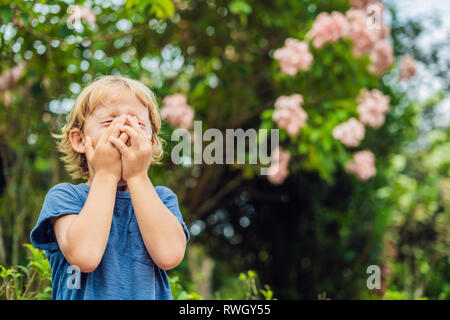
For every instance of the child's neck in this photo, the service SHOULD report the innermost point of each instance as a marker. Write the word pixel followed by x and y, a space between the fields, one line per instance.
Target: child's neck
pixel 122 188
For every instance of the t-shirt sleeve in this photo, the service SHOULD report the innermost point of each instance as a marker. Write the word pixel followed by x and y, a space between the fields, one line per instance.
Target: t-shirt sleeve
pixel 170 199
pixel 60 200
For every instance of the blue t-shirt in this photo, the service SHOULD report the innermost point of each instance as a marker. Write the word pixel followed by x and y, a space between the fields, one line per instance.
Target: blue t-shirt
pixel 126 270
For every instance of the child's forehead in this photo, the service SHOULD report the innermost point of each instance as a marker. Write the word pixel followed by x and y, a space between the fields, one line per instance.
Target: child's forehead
pixel 122 104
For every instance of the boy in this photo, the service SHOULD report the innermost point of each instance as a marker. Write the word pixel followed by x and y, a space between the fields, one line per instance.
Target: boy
pixel 114 236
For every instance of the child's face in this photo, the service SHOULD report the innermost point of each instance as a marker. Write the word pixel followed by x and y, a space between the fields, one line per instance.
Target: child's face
pixel 101 118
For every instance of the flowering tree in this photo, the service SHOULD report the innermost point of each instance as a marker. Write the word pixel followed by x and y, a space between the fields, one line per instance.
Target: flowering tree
pixel 367 38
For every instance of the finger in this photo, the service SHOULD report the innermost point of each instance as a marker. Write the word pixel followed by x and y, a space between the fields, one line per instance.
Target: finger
pixel 124 137
pixel 131 133
pixel 116 129
pixel 134 123
pixel 107 133
pixel 88 147
pixel 118 144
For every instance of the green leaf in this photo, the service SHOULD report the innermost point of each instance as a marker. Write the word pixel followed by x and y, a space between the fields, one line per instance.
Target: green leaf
pixel 6 14
pixel 3 271
pixel 131 3
pixel 162 8
pixel 251 274
pixel 266 125
pixel 267 114
pixel 268 294
pixel 64 31
pixel 24 270
pixel 183 296
pixel 195 296
pixel 240 7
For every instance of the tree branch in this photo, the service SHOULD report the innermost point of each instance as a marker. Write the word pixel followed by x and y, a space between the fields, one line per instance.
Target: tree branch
pixel 105 37
pixel 212 202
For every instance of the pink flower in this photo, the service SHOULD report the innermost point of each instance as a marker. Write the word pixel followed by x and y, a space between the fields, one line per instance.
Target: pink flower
pixel 9 78
pixel 383 32
pixel 363 34
pixel 176 111
pixel 278 170
pixel 407 67
pixel 362 165
pixel 350 132
pixel 341 23
pixel 370 8
pixel 78 12
pixel 363 38
pixel 289 114
pixel 328 28
pixel 372 108
pixel 382 57
pixel 294 56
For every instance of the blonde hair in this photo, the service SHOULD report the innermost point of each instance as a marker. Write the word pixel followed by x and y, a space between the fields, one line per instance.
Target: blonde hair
pixel 87 100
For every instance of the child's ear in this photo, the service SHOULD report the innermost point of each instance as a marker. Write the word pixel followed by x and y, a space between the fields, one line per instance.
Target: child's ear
pixel 78 140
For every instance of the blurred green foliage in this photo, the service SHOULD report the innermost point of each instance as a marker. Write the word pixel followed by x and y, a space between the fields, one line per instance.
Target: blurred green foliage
pixel 33 282
pixel 30 282
pixel 418 200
